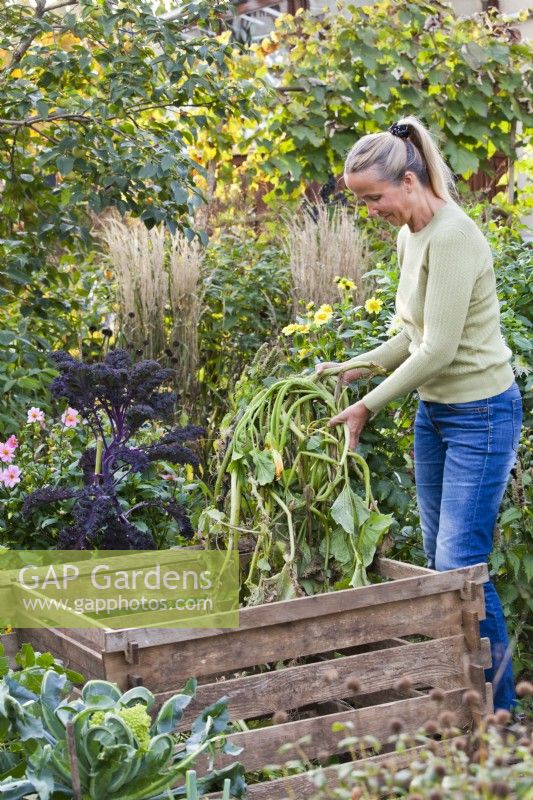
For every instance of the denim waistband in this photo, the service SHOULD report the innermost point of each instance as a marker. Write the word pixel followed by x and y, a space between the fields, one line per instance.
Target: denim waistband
pixel 512 393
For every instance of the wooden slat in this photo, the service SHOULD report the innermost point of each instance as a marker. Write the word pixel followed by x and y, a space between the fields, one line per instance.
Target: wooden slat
pixel 300 608
pixel 302 786
pixel 261 746
pixel 435 663
pixel 390 568
pixel 73 653
pixel 166 667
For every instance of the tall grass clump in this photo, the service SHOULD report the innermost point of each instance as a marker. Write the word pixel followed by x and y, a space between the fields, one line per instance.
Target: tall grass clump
pixel 159 296
pixel 186 302
pixel 137 256
pixel 322 244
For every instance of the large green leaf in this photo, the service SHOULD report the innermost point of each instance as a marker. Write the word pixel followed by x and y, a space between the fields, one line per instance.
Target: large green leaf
pixel 370 535
pixel 265 468
pixel 349 510
pixel 172 710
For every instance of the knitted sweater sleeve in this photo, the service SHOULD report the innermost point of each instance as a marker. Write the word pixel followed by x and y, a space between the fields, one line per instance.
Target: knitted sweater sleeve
pixel 451 276
pixel 388 355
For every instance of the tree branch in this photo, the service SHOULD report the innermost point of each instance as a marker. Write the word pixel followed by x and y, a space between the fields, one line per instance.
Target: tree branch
pixel 61 4
pixel 30 121
pixel 24 45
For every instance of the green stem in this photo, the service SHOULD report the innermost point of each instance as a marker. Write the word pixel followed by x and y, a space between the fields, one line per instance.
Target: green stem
pixel 282 505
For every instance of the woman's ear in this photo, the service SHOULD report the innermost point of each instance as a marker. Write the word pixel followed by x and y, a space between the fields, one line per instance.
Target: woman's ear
pixel 409 181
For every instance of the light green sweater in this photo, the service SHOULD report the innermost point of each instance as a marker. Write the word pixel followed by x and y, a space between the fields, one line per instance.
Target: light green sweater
pixel 450 348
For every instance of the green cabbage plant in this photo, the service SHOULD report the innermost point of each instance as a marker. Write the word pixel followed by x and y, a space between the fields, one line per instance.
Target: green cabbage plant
pixel 122 751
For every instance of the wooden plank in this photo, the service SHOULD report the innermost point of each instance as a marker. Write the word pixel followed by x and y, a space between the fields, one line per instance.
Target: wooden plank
pixel 262 745
pixel 303 787
pixel 435 663
pixel 471 628
pixel 390 568
pixel 300 608
pixel 74 654
pixel 166 667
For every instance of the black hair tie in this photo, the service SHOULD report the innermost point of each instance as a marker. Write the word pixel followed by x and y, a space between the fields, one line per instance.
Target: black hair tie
pixel 402 131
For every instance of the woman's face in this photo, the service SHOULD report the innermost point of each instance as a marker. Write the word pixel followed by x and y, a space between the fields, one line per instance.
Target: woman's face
pixel 389 201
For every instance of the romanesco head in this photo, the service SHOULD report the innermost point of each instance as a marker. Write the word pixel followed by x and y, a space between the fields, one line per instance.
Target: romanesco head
pixel 97 718
pixel 138 721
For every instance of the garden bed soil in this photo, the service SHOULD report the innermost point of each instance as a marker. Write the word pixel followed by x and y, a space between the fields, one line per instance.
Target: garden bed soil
pixel 296 656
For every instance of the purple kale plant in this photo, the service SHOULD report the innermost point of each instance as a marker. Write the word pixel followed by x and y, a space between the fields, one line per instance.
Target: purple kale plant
pixel 115 397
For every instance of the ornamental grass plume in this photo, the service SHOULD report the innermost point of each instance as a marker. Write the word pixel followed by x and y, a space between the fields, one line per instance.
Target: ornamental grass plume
pixel 186 303
pixel 137 256
pixel 321 247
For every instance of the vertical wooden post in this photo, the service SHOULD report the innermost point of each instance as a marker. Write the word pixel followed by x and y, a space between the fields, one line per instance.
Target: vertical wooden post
pixel 73 760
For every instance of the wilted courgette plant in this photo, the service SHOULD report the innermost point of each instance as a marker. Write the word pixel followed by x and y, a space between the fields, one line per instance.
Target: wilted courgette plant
pixel 291 487
pixel 121 752
pixel 115 398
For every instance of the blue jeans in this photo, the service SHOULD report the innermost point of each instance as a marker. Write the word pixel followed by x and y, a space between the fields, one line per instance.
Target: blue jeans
pixel 464 453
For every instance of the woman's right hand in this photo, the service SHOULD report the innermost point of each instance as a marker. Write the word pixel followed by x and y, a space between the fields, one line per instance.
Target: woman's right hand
pixel 344 377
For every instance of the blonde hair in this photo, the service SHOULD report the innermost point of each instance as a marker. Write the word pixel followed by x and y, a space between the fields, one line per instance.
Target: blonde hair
pixel 392 155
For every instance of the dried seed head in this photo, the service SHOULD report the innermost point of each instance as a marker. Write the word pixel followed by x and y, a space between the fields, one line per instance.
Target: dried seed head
pixel 431 727
pixel 461 743
pixel 322 755
pixel 524 689
pixel 331 675
pixel 396 725
pixel 499 761
pixel 446 719
pixel 502 716
pixel 131 314
pixel 499 789
pixel 353 684
pixel 490 720
pixel 435 794
pixel 437 695
pixel 403 684
pixel 439 770
pixel 472 698
pixel 476 757
pixel 279 717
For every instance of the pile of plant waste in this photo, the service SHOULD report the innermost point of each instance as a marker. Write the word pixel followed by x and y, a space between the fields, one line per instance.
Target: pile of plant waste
pixel 290 489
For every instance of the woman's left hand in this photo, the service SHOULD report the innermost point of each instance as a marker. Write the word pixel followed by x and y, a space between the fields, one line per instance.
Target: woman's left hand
pixel 355 417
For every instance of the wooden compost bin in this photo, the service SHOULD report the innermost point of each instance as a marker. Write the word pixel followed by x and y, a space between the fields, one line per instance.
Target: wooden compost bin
pixel 419 623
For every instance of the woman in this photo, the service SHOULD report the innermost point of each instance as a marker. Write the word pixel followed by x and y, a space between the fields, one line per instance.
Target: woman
pixel 451 351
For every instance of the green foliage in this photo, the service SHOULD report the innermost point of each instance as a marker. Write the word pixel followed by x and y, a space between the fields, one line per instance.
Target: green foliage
pixel 100 103
pixel 99 108
pixel 347 74
pixel 247 302
pixel 122 751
